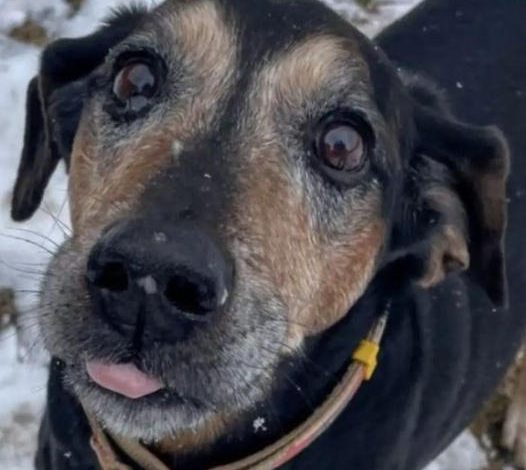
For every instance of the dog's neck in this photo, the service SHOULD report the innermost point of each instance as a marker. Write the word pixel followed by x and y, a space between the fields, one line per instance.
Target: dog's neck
pixel 301 385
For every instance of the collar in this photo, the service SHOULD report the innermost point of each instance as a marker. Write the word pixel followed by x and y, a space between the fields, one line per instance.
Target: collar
pixel 361 369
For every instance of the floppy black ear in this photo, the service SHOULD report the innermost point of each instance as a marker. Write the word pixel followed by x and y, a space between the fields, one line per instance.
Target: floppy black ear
pixel 54 103
pixel 457 210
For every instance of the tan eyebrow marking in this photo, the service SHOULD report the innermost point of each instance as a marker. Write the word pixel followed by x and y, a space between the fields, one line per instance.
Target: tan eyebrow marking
pixel 299 72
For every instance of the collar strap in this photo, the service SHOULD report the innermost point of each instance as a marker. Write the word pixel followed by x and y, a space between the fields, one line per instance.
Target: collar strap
pixel 285 449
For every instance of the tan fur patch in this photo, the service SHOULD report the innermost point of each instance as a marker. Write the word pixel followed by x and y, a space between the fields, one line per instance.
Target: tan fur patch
pixel 449 246
pixel 448 253
pixel 317 279
pixel 99 197
pixel 346 269
pixel 295 76
pixel 208 47
pixel 194 439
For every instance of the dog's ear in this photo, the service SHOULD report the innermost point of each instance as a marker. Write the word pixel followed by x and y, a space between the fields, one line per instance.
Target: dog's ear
pixel 54 104
pixel 455 207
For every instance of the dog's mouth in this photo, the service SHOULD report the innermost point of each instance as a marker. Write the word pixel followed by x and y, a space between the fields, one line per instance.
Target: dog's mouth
pixel 124 379
pixel 128 385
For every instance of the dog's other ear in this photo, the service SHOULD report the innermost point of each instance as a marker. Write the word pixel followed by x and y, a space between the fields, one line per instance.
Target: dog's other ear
pixel 54 103
pixel 455 210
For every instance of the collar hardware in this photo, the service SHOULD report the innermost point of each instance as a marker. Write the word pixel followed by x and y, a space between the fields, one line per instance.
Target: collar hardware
pixel 367 351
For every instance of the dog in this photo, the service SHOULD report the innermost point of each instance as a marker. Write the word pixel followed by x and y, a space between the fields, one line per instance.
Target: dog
pixel 255 188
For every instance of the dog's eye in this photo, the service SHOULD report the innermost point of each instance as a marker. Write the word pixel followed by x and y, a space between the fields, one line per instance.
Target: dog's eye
pixel 135 84
pixel 341 147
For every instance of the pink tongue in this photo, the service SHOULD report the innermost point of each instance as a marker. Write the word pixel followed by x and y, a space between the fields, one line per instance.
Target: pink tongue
pixel 125 379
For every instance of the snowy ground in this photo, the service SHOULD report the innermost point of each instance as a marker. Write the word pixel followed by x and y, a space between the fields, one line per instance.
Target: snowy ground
pixel 24 248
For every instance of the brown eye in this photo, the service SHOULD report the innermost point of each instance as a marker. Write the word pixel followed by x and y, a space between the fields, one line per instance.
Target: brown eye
pixel 341 147
pixel 135 84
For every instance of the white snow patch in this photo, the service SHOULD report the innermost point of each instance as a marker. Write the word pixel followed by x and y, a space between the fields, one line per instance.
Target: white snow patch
pixel 160 237
pixel 177 148
pixel 22 394
pixel 464 454
pixel 93 12
pixel 48 13
pixel 149 284
pixel 259 424
pixel 224 297
pixel 371 21
pixel 24 248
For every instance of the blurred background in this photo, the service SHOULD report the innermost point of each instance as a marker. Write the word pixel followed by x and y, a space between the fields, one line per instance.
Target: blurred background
pixel 25 27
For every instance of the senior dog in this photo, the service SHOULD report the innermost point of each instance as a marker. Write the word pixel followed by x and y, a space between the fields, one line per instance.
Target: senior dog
pixel 254 189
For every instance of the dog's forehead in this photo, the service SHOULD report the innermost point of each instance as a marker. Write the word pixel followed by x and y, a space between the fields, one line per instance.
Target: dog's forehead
pixel 255 31
pixel 273 21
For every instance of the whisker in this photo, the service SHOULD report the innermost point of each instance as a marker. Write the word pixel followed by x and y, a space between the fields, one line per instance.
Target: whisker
pixel 55 223
pixel 33 232
pixel 30 242
pixel 60 224
pixel 26 291
pixel 21 270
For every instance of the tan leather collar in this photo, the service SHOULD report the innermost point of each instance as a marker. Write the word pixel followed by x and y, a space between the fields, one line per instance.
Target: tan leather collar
pixel 361 368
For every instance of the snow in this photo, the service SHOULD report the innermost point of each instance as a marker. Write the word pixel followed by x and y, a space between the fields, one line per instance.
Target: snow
pixel 22 393
pixel 160 237
pixel 49 13
pixel 370 21
pixel 464 454
pixel 149 284
pixel 25 248
pixel 259 424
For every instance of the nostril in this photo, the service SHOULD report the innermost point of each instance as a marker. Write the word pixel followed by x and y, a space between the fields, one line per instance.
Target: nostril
pixel 112 276
pixel 191 293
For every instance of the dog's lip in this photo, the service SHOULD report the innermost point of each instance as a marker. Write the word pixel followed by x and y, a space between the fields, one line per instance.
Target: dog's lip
pixel 125 379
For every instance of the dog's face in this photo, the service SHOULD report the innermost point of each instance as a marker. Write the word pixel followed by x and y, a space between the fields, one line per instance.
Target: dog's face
pixel 238 173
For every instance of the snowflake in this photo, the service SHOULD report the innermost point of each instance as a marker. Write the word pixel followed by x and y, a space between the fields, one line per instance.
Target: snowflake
pixel 259 424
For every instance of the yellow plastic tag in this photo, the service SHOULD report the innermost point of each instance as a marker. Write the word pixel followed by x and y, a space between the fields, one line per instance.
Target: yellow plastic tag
pixel 367 354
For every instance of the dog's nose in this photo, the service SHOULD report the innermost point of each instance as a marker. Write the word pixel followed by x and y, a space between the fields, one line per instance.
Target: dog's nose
pixel 158 283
